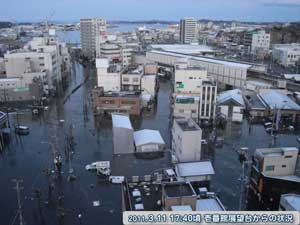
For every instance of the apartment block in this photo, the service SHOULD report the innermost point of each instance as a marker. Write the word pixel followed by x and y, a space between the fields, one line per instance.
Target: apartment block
pixel 188 30
pixel 90 33
pixel 186 140
pixel 286 54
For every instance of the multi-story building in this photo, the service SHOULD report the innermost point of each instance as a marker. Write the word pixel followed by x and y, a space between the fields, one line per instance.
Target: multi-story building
pixel 225 72
pixel 188 30
pixel 108 75
pixel 186 144
pixel 90 33
pixel 286 54
pixel 194 95
pixel 111 52
pixel 273 173
pixel 131 78
pixel 121 102
pixel 23 63
pixel 257 41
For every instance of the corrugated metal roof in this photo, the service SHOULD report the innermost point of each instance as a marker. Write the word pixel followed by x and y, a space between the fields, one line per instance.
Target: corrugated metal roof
pixel 146 136
pixel 121 121
pixel 276 100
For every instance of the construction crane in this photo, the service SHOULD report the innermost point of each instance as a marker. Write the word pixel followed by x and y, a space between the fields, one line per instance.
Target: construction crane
pixel 48 19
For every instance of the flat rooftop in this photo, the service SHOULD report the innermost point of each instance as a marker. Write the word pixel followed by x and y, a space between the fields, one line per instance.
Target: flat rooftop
pixel 133 69
pixel 187 125
pixel 293 200
pixel 209 204
pixel 185 48
pixel 176 190
pixel 202 168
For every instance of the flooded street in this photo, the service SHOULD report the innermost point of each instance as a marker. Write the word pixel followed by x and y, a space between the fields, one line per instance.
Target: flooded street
pixel 30 158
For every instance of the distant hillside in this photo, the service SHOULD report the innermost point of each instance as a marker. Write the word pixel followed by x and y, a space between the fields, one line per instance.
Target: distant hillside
pixel 5 24
pixel 286 34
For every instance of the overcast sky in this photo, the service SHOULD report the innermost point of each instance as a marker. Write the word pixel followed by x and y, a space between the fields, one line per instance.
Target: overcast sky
pixel 73 10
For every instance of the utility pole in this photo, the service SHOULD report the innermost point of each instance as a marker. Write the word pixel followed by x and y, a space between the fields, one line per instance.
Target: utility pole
pixel 18 189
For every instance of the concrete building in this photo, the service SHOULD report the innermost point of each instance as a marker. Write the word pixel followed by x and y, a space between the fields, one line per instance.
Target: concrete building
pixel 90 31
pixel 149 82
pixel 228 73
pixel 257 41
pixel 186 140
pixel 231 105
pixel 148 141
pixel 178 194
pixel 111 52
pixel 188 30
pixel 108 76
pixel 195 95
pixel 131 78
pixel 201 171
pixel 122 102
pixel 122 134
pixel 286 54
pixel 289 202
pixel 273 174
pixel 23 63
pixel 51 44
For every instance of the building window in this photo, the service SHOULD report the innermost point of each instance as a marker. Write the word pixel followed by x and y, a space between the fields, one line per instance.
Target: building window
pixel 283 166
pixel 288 156
pixel 135 80
pixel 193 111
pixel 269 168
pixel 181 110
pixel 42 64
pixel 125 79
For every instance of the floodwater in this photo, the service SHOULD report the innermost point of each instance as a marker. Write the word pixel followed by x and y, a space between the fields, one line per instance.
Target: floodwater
pixel 30 157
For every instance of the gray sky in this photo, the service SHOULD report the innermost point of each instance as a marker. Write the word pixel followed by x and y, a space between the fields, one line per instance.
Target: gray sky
pixel 73 10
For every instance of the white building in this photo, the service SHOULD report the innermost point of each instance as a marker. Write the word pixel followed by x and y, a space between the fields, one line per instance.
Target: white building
pixel 257 41
pixel 108 76
pixel 194 95
pixel 186 140
pixel 224 72
pixel 111 52
pixel 91 30
pixel 131 78
pixel 289 202
pixel 148 141
pixel 122 134
pixel 194 171
pixel 188 30
pixel 286 54
pixel 22 63
pixel 276 162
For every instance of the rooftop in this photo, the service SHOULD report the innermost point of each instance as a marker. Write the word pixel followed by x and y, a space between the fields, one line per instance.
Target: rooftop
pixel 133 69
pixel 173 190
pixel 293 200
pixel 187 124
pixel 121 120
pixel 184 48
pixel 209 204
pixel 275 100
pixel 146 136
pixel 202 168
pixel 274 152
pixel 235 95
pixel 205 59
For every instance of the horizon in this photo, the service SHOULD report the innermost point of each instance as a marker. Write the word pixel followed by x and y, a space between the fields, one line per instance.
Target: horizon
pixel 259 11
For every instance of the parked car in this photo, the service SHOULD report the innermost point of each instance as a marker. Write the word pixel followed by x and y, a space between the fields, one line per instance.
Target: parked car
pixel 22 130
